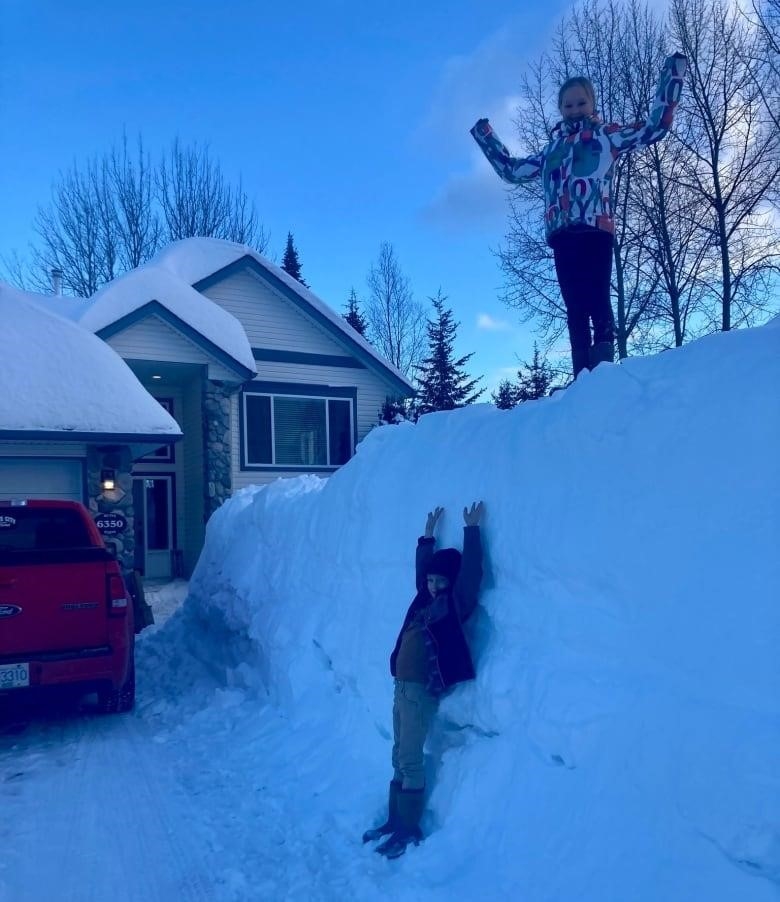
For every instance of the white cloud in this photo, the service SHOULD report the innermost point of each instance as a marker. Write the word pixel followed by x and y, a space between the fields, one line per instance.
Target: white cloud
pixel 490 324
pixel 481 83
pixel 472 199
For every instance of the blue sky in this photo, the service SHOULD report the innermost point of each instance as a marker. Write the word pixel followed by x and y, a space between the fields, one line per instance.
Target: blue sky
pixel 347 121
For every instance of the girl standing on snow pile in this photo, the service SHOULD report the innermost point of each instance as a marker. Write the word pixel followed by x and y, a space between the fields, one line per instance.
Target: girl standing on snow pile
pixel 430 655
pixel 576 167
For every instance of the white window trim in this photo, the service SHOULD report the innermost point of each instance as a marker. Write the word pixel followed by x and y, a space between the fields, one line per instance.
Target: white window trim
pixel 246 463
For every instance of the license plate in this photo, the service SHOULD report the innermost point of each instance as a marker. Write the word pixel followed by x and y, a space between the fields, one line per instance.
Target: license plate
pixel 14 676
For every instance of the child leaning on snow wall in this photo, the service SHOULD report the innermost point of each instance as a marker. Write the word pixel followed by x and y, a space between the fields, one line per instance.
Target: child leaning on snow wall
pixel 576 169
pixel 431 654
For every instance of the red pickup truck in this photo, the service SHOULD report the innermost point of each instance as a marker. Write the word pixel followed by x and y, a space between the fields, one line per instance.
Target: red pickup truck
pixel 66 616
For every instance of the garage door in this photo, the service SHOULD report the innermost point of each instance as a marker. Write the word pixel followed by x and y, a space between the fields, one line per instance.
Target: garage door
pixel 28 477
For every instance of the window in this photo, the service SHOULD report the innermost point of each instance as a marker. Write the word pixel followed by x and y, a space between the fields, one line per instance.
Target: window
pixel 292 430
pixel 30 528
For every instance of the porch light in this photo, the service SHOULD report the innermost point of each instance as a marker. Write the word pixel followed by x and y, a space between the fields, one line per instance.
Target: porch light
pixel 108 480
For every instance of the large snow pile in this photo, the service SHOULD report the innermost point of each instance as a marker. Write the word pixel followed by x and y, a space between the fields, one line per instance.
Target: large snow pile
pixel 621 739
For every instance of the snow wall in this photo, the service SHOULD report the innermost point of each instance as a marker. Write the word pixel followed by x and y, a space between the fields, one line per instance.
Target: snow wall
pixel 621 739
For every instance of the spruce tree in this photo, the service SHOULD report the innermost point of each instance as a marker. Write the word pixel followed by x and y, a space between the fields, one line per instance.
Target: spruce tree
pixel 290 262
pixel 506 396
pixel 393 411
pixel 538 381
pixel 444 384
pixel 353 315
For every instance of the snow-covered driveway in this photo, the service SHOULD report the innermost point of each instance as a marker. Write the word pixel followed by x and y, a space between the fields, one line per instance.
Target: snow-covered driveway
pixel 85 796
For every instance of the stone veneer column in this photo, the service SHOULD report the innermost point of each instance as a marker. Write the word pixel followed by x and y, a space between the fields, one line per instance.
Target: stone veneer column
pixel 216 445
pixel 119 500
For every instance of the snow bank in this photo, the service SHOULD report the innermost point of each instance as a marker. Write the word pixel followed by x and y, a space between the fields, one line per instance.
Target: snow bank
pixel 620 741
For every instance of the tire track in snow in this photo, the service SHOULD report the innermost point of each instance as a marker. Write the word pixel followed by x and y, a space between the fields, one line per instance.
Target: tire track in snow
pixel 101 817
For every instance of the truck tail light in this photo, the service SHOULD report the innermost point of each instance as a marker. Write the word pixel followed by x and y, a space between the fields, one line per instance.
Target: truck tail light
pixel 117 596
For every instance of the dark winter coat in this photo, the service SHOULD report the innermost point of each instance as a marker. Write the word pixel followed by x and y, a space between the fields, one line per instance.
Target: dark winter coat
pixel 577 165
pixel 450 659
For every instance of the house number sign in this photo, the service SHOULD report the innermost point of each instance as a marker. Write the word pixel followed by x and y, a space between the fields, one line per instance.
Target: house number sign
pixel 110 524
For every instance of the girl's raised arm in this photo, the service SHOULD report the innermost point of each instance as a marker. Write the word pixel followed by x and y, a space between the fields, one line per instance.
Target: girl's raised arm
pixel 667 96
pixel 511 169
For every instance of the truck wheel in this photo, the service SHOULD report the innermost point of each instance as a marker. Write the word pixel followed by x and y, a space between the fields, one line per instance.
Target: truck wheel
pixel 117 701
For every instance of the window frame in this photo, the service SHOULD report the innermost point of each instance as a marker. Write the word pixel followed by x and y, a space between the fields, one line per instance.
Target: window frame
pixel 296 390
pixel 166 453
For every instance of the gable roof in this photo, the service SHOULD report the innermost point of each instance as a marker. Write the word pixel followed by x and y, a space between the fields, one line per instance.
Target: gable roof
pixel 202 262
pixel 62 382
pixel 154 290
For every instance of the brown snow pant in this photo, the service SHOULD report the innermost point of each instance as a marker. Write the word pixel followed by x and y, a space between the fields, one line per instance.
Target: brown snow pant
pixel 413 710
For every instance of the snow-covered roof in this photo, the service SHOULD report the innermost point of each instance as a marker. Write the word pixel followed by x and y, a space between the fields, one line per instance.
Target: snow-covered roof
pixel 152 282
pixel 57 376
pixel 195 259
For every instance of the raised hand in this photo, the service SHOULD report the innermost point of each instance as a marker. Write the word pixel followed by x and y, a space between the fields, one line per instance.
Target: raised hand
pixel 471 516
pixel 430 523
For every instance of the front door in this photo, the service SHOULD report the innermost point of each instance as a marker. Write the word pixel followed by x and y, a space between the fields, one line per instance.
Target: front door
pixel 153 503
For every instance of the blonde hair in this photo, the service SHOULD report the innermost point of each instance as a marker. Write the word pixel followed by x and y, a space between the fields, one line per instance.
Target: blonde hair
pixel 583 82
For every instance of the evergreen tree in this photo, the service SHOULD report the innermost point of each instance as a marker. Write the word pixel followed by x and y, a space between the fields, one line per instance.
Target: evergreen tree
pixel 538 381
pixel 444 384
pixel 353 315
pixel 290 262
pixel 393 411
pixel 506 395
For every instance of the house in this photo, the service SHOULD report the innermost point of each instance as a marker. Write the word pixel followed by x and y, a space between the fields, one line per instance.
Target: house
pixel 73 417
pixel 263 378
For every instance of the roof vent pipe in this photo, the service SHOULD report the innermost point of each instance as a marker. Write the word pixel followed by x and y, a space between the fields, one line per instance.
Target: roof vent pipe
pixel 56 281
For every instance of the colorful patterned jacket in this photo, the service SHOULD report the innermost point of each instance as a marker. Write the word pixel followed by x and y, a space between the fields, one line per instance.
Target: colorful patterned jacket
pixel 576 166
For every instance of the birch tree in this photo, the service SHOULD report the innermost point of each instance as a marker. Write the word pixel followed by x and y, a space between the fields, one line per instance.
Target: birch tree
pixel 396 322
pixel 735 153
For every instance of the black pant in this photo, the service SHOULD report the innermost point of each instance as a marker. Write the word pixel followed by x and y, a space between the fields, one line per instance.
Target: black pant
pixel 583 264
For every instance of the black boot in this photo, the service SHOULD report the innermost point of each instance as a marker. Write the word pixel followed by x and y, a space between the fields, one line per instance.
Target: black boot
pixel 601 352
pixel 392 815
pixel 410 809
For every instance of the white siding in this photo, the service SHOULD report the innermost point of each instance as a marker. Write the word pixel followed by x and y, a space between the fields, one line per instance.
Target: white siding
pixel 42 449
pixel 371 392
pixel 154 339
pixel 269 319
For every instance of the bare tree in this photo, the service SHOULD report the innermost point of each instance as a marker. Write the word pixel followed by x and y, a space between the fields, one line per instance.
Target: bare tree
pixel 735 151
pixel 764 16
pixel 137 217
pixel 16 271
pixel 396 321
pixel 77 231
pixel 678 248
pixel 115 212
pixel 197 200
